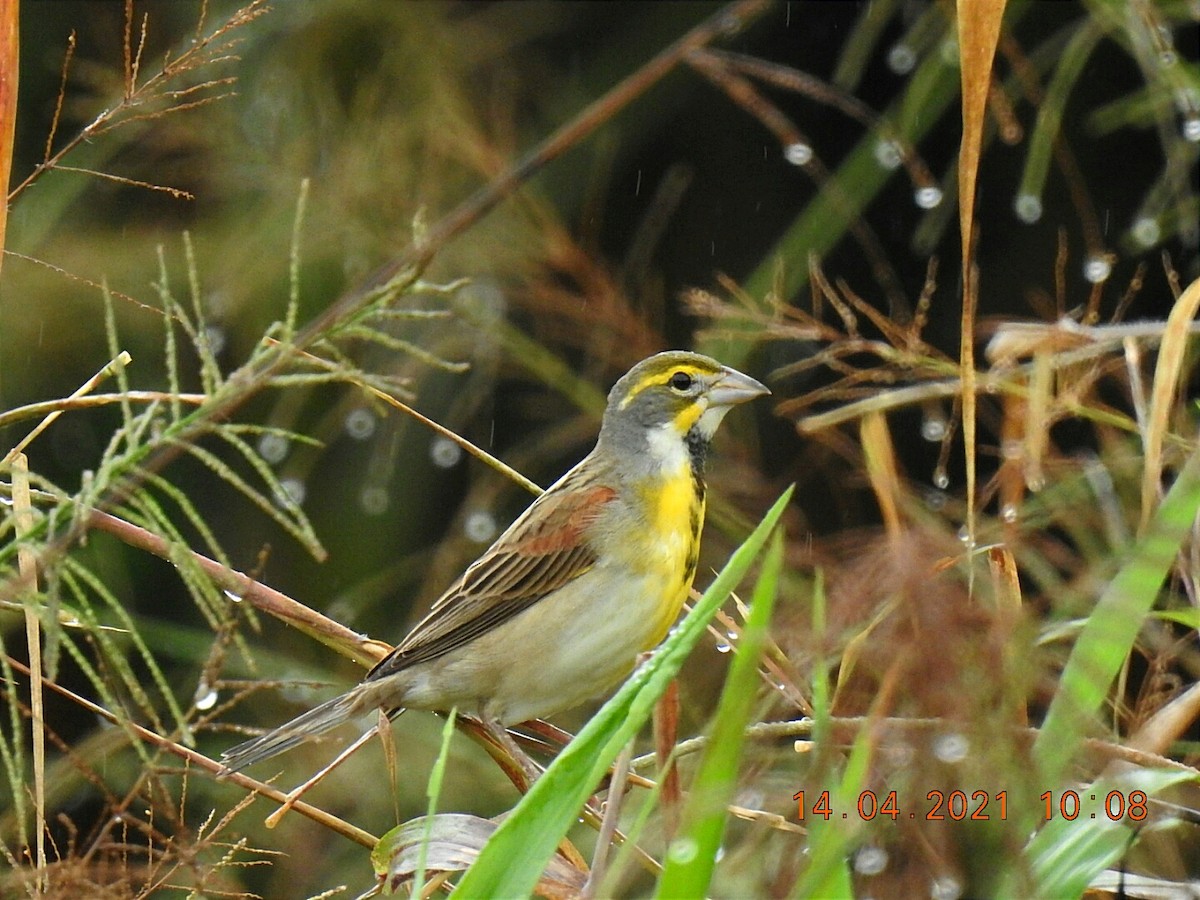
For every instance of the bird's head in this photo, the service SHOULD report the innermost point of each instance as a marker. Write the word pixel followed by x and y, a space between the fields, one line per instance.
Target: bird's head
pixel 674 400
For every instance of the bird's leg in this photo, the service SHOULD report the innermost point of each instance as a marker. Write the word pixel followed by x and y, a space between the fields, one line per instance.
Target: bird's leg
pixel 529 769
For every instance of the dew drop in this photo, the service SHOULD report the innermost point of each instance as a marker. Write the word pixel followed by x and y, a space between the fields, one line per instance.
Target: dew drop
pixel 235 598
pixel 946 887
pixel 928 197
pixel 1097 269
pixel 206 697
pixel 731 24
pixel 935 499
pixel 360 423
pixel 1146 231
pixel 1011 450
pixel 798 154
pixel 1009 513
pixel 215 339
pixel 444 452
pixel 294 491
pixel 933 428
pixel 901 59
pixel 1028 208
pixel 951 748
pixel 870 860
pixel 374 500
pixel 887 154
pixel 1168 58
pixel 941 480
pixel 480 527
pixel 273 447
pixel 1191 129
pixel 723 647
pixel 683 850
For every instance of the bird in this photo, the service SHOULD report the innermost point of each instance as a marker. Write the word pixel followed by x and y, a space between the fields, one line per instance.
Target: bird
pixel 593 574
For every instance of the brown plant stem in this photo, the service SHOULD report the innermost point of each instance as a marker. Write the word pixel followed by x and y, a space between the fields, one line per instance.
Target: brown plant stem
pixel 362 649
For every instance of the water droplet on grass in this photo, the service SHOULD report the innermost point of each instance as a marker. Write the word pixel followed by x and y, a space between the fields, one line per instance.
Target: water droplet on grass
pixel 1097 269
pixel 206 697
pixel 273 447
pixel 1028 208
pixel 798 154
pixel 683 850
pixel 444 452
pixel 928 197
pixel 887 154
pixel 360 423
pixel 480 527
pixel 870 860
pixel 951 748
pixel 901 59
pixel 1146 232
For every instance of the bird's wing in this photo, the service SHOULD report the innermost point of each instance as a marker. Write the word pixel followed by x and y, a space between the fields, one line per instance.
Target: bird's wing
pixel 541 551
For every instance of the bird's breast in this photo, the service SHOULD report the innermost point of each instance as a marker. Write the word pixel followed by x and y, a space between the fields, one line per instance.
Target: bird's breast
pixel 673 519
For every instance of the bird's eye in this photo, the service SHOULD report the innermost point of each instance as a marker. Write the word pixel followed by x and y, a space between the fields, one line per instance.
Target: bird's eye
pixel 680 381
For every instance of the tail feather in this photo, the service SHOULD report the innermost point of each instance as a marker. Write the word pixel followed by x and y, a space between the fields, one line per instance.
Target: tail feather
pixel 316 721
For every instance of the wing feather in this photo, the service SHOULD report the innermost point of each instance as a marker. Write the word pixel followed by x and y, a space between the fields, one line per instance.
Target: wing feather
pixel 541 551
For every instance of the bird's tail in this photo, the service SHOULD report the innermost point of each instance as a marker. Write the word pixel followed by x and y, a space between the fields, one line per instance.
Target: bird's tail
pixel 316 721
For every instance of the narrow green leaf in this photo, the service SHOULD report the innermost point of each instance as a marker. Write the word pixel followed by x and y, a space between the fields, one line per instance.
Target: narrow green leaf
pixel 1113 626
pixel 692 856
pixel 1066 855
pixel 433 790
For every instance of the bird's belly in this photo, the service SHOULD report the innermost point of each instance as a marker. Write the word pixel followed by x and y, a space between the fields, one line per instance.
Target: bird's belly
pixel 559 653
pixel 588 650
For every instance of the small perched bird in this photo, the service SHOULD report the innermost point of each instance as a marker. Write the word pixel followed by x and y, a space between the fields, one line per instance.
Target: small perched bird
pixel 591 575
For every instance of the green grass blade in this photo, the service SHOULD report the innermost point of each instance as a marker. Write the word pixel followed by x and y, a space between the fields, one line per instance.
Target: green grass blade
pixel 1066 855
pixel 693 854
pixel 514 858
pixel 1113 626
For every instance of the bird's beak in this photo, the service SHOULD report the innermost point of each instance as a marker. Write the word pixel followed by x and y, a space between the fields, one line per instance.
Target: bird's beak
pixel 732 388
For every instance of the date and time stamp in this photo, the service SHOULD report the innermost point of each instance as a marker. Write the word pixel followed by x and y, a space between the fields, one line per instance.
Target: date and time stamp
pixel 974 806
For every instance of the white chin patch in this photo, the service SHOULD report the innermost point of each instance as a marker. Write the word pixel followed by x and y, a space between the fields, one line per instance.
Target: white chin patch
pixel 710 419
pixel 666 447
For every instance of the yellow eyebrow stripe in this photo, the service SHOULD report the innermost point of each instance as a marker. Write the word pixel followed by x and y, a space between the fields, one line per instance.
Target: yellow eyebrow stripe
pixel 659 377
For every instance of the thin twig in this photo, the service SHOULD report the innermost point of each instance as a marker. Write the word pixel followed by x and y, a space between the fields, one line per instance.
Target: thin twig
pixel 66 404
pixel 358 647
pixel 177 193
pixel 62 94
